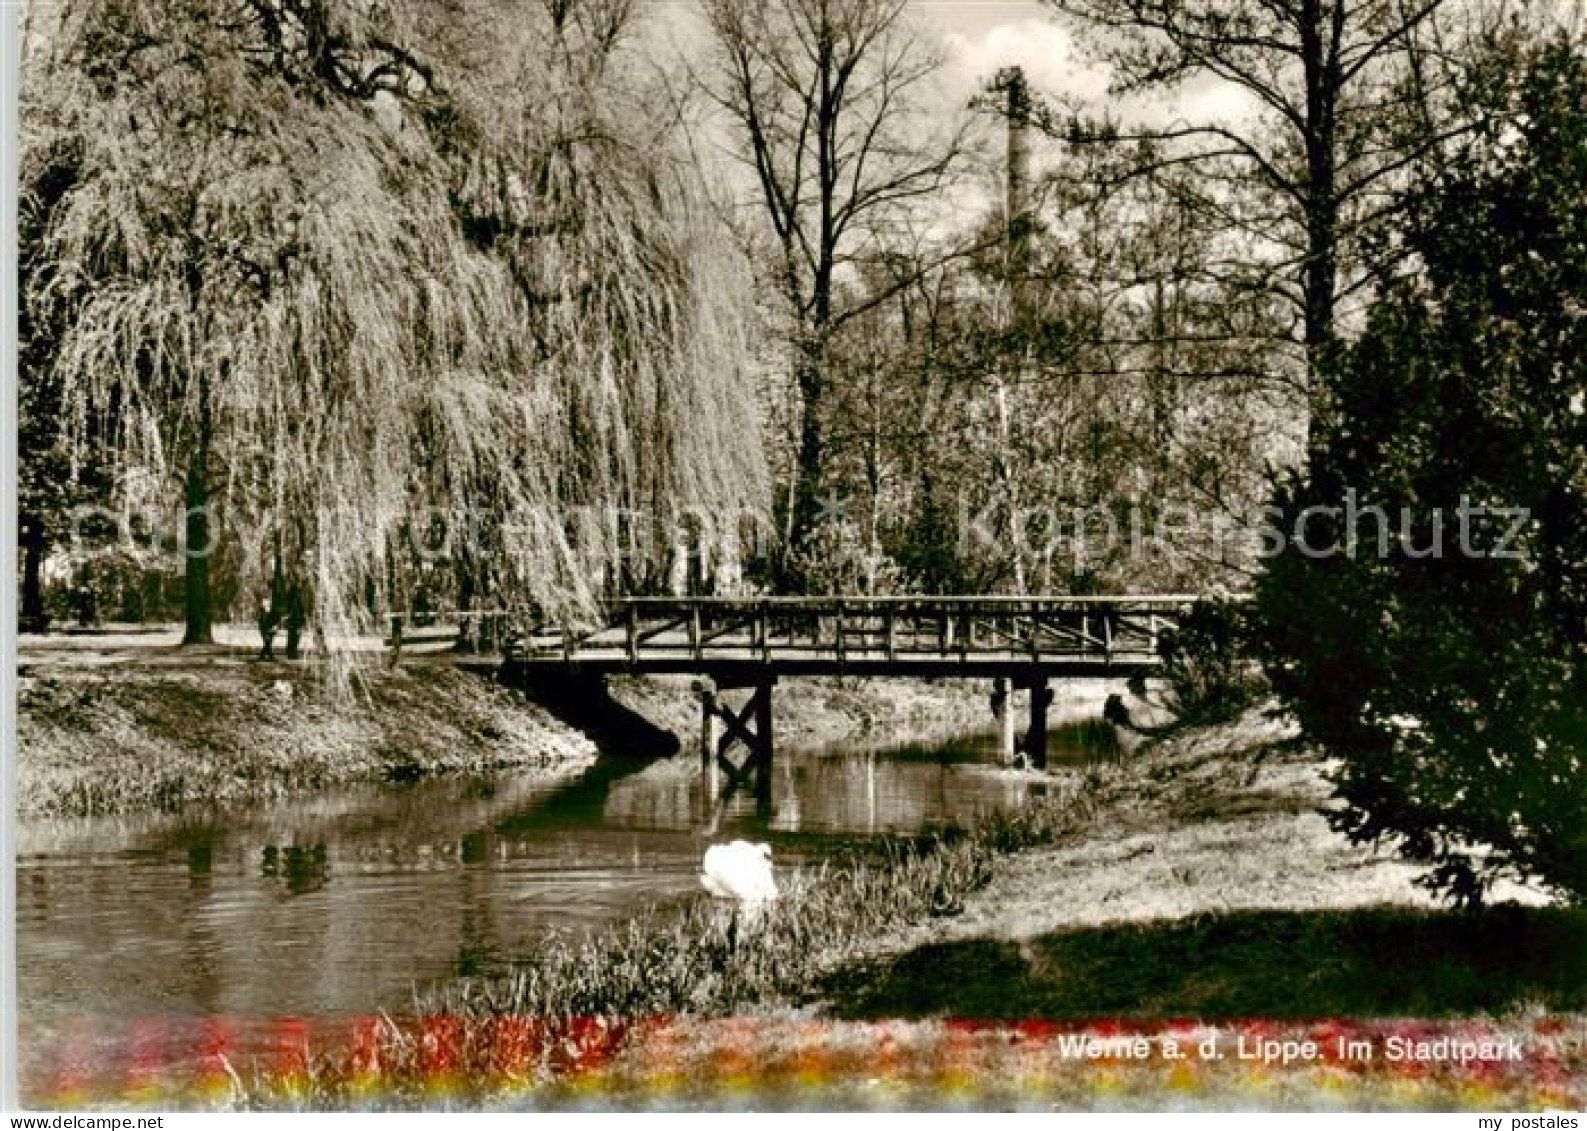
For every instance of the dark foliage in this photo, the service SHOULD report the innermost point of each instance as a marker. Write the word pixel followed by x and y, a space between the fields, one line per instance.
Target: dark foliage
pixel 1438 644
pixel 1207 665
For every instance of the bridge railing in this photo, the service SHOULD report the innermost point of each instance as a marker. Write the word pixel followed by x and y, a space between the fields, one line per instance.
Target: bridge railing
pixel 893 629
pixel 870 628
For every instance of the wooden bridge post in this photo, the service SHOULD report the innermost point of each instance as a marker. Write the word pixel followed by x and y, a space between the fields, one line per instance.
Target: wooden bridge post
pixel 710 737
pixel 763 753
pixel 1003 710
pixel 1036 737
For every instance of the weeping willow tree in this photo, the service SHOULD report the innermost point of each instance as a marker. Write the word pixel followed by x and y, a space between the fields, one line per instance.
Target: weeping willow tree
pixel 335 289
pixel 567 167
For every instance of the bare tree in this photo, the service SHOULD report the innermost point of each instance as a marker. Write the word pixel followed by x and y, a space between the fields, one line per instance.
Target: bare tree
pixel 824 100
pixel 1333 82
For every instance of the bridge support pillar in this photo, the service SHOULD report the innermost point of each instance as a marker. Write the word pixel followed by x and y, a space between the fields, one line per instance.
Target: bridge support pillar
pixel 1003 711
pixel 710 735
pixel 722 730
pixel 1036 737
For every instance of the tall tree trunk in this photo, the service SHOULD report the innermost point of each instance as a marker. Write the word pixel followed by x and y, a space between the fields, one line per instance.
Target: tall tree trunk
pixel 812 444
pixel 468 627
pixel 274 610
pixel 297 616
pixel 1321 35
pixel 197 597
pixel 34 544
pixel 1318 287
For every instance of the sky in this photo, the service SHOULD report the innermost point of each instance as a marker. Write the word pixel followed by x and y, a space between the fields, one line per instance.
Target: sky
pixel 978 37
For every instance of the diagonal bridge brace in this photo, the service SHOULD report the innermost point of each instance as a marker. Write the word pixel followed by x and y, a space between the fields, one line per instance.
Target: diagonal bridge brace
pixel 724 729
pixel 737 732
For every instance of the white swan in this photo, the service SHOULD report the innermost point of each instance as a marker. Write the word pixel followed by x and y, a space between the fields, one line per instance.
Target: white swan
pixel 739 871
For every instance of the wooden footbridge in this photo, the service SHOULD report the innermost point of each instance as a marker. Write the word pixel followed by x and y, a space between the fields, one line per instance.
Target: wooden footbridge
pixel 749 643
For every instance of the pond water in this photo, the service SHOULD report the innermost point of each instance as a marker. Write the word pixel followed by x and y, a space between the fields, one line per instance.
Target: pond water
pixel 342 902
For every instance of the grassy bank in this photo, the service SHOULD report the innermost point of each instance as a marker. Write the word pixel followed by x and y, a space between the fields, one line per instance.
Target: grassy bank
pixel 94 740
pixel 1368 962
